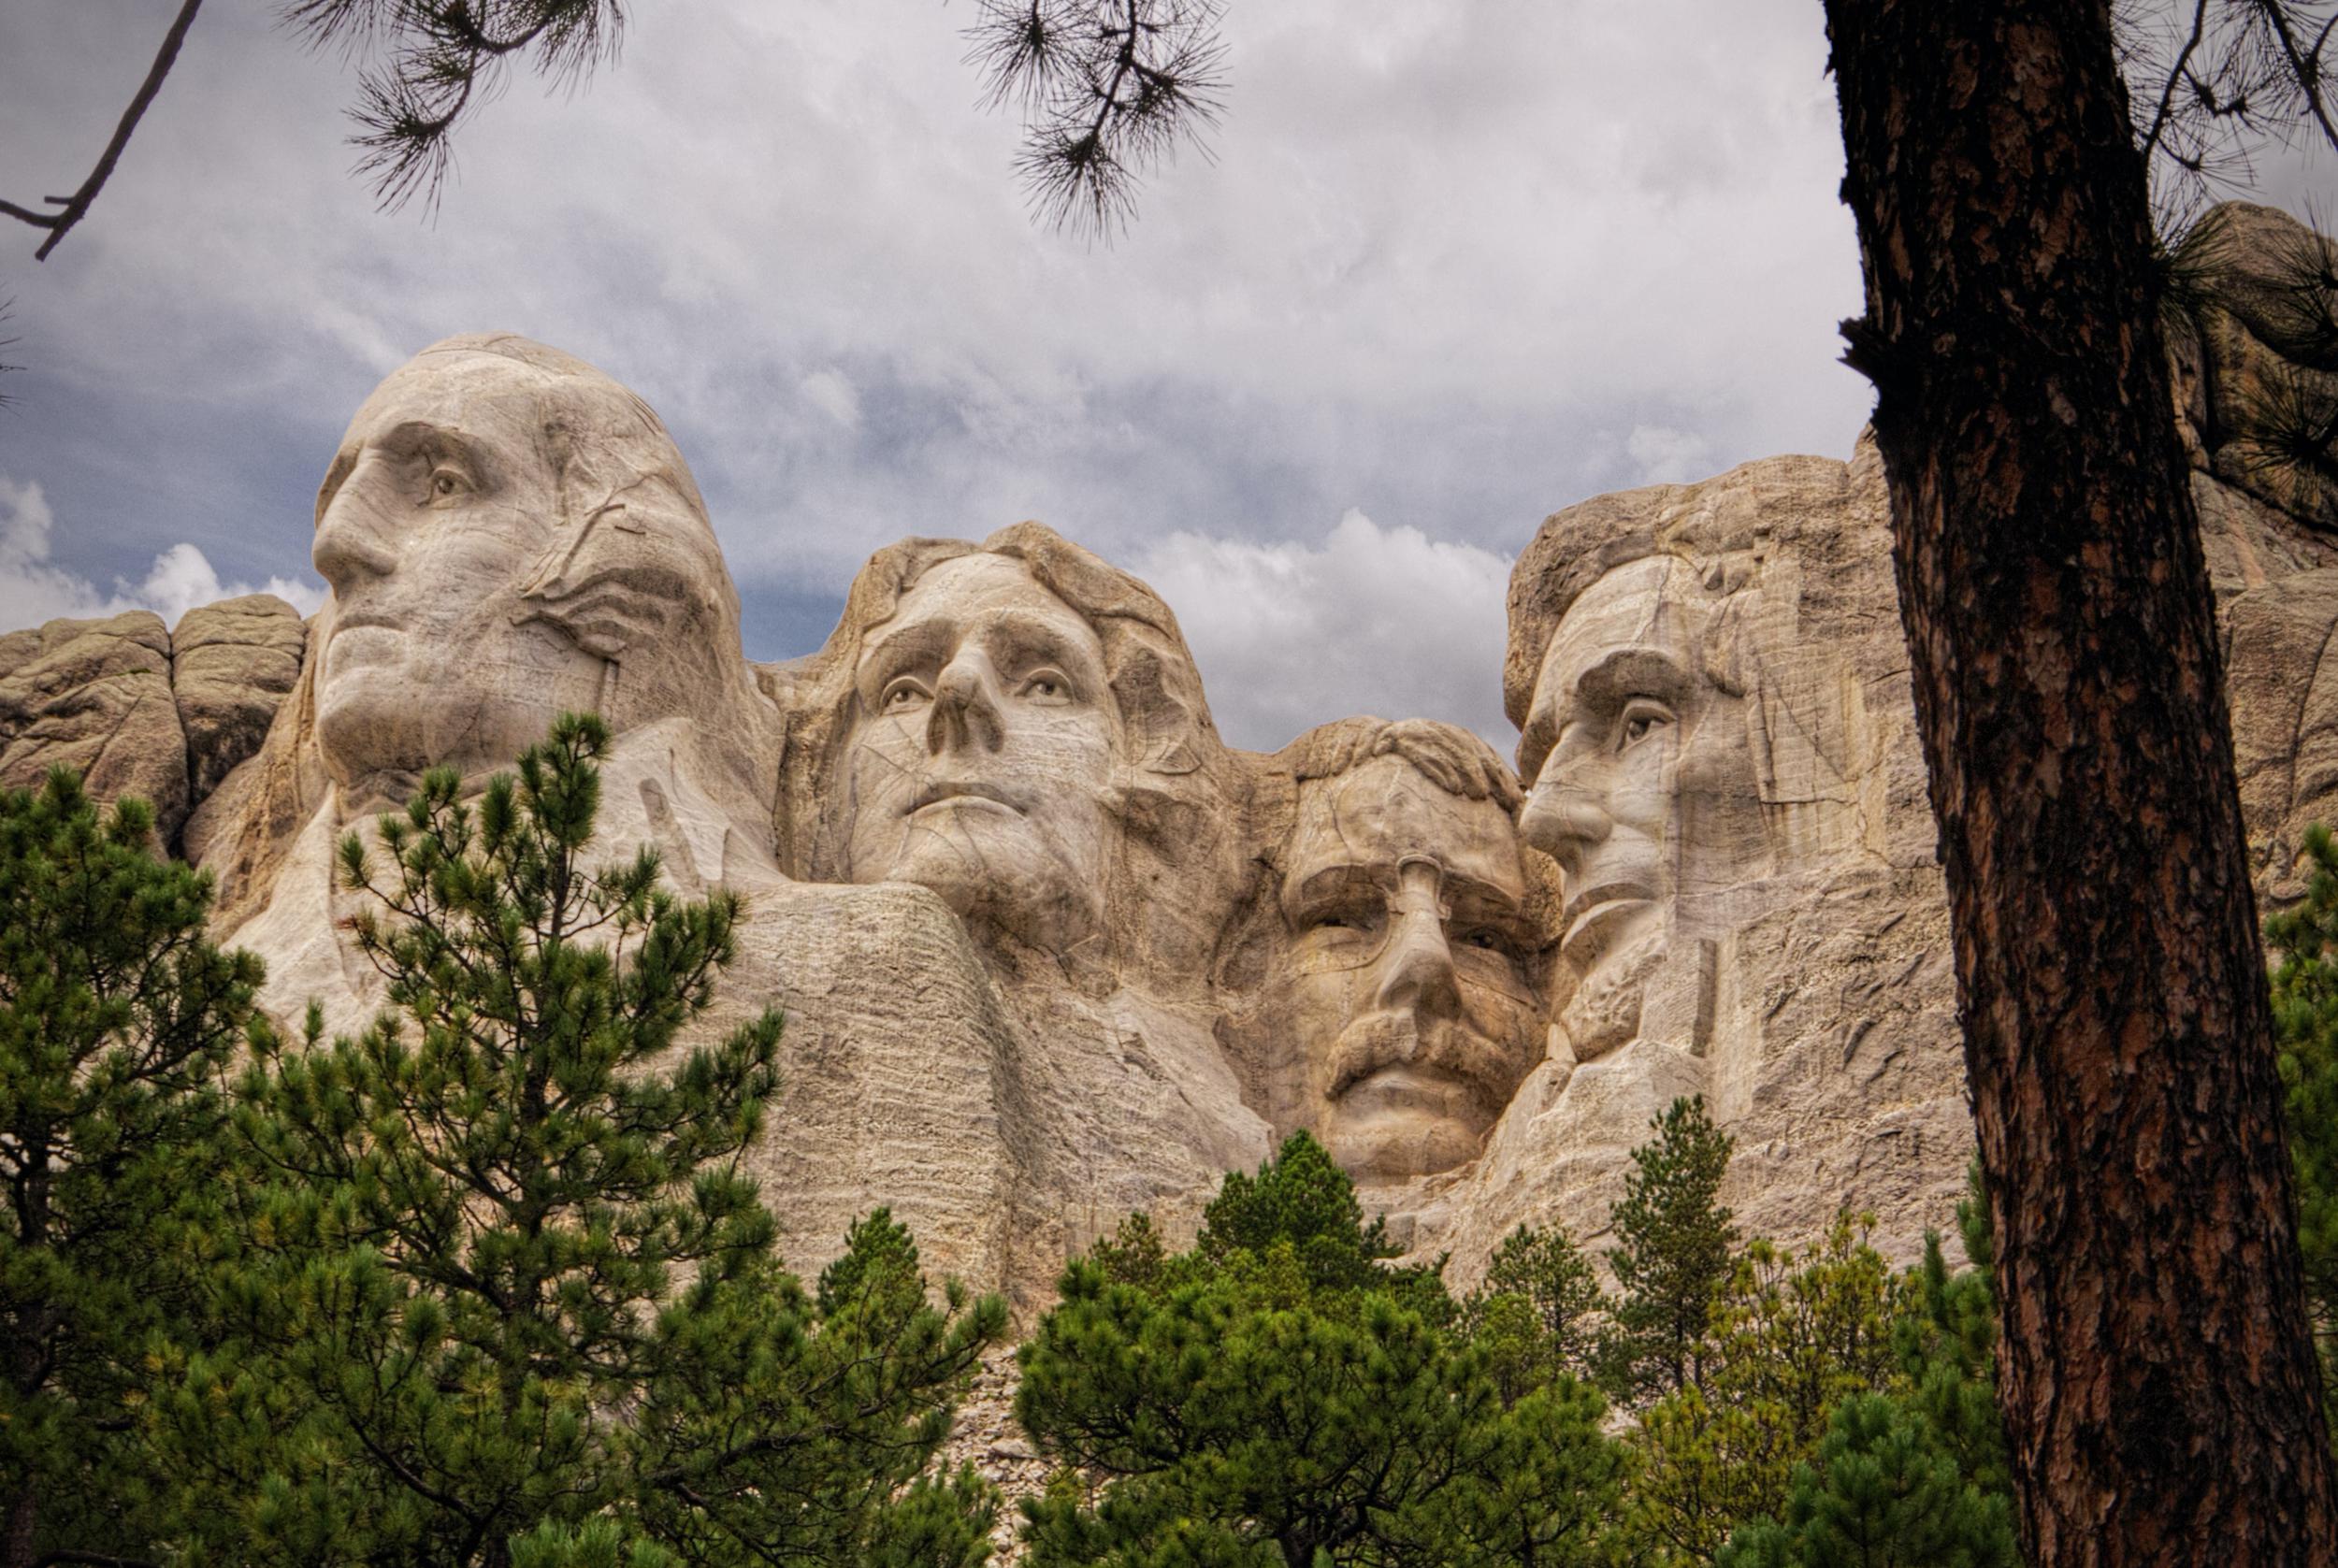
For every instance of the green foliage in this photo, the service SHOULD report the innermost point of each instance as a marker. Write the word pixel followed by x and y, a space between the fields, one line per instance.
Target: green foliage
pixel 117 1021
pixel 1790 1337
pixel 2304 943
pixel 1537 1313
pixel 1916 1477
pixel 1201 1428
pixel 1301 1198
pixel 1883 1493
pixel 1676 1244
pixel 769 1434
pixel 1293 1233
pixel 1277 1396
pixel 506 1289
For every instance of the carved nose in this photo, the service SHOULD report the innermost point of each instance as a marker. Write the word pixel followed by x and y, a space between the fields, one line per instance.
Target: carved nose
pixel 352 541
pixel 965 711
pixel 1563 820
pixel 1417 971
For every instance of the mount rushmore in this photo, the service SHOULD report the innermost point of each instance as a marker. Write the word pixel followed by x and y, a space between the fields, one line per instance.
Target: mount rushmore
pixel 1050 951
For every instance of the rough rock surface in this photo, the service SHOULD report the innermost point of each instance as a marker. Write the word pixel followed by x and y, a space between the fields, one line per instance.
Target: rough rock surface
pixel 2260 288
pixel 231 665
pixel 138 709
pixel 95 696
pixel 1052 951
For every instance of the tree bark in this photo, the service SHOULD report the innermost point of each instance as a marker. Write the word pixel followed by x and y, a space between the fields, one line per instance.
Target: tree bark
pixel 2157 1373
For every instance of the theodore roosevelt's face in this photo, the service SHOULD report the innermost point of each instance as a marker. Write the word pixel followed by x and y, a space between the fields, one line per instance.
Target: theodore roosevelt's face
pixel 440 501
pixel 1404 984
pixel 982 759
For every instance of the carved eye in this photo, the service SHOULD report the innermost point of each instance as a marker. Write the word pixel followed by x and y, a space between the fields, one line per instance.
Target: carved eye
pixel 1049 688
pixel 447 482
pixel 1485 938
pixel 1642 717
pixel 1345 918
pixel 903 695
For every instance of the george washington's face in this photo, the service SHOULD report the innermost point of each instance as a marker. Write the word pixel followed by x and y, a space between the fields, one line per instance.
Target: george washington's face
pixel 442 498
pixel 982 759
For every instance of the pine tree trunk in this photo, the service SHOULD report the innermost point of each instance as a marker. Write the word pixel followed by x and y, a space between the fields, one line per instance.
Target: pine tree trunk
pixel 2157 1373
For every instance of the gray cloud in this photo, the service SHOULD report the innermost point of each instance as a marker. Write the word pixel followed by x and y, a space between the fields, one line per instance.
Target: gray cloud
pixel 1367 620
pixel 1455 266
pixel 34 588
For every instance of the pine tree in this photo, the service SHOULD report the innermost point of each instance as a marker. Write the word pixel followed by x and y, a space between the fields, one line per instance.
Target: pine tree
pixel 1274 1397
pixel 1915 1477
pixel 1298 1221
pixel 1537 1311
pixel 507 1291
pixel 2305 941
pixel 1676 1244
pixel 1790 1338
pixel 118 1022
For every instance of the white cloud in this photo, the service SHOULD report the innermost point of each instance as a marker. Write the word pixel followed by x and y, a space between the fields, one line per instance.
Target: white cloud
pixel 833 395
pixel 1669 456
pixel 1377 620
pixel 33 589
pixel 1443 261
pixel 1457 265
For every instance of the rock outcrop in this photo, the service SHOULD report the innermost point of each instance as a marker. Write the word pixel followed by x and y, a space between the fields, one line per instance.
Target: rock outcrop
pixel 1051 951
pixel 231 665
pixel 94 696
pixel 136 708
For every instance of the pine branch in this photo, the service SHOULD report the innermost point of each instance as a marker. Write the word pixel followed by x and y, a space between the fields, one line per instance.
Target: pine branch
pixel 70 209
pixel 1106 89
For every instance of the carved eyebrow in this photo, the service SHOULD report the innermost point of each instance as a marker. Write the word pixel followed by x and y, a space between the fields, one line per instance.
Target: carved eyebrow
pixel 1470 897
pixel 1328 883
pixel 1483 905
pixel 901 644
pixel 1633 672
pixel 1042 633
pixel 406 437
pixel 421 435
pixel 1621 672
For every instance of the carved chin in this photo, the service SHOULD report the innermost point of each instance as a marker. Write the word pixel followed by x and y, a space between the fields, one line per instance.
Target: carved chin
pixel 1385 1138
pixel 1604 1011
pixel 1014 887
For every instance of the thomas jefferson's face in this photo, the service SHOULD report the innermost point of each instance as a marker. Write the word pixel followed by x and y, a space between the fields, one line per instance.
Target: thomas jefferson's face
pixel 982 760
pixel 1406 986
pixel 441 500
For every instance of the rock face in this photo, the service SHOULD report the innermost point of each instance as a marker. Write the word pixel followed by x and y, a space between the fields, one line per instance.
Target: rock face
pixel 1051 951
pixel 231 665
pixel 139 710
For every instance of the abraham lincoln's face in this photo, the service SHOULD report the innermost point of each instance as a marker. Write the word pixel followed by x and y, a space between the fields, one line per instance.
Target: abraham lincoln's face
pixel 1645 793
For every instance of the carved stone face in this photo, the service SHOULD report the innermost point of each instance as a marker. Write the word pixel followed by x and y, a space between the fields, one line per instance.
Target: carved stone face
pixel 1404 982
pixel 1646 796
pixel 982 761
pixel 442 500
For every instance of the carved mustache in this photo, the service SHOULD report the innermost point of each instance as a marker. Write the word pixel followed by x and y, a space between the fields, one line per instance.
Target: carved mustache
pixel 1380 1041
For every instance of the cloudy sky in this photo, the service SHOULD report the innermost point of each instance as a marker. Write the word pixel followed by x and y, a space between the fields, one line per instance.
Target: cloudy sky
pixel 1449 269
